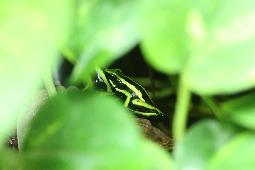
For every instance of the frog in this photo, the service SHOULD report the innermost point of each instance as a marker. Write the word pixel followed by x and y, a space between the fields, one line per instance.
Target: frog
pixel 133 95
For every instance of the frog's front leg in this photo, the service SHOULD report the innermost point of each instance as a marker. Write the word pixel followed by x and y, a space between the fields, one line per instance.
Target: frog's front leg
pixel 127 94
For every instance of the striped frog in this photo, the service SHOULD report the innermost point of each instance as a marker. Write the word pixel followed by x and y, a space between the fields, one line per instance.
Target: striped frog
pixel 133 94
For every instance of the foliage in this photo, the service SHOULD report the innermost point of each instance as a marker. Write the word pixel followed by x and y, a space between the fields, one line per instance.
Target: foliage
pixel 208 44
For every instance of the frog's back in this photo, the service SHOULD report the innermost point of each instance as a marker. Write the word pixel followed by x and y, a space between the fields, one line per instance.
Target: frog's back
pixel 125 83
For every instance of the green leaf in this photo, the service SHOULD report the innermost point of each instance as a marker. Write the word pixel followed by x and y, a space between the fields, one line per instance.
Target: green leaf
pixel 77 130
pixel 148 156
pixel 25 118
pixel 201 142
pixel 74 110
pixel 154 157
pixel 223 61
pixel 236 155
pixel 164 36
pixel 172 31
pixel 209 42
pixel 241 110
pixel 9 160
pixel 31 35
pixel 103 31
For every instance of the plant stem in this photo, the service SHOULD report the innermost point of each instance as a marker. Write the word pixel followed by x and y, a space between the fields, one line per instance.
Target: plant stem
pixel 213 106
pixel 49 84
pixel 181 111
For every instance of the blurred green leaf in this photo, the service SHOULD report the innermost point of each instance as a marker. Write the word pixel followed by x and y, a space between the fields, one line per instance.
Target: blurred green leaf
pixel 25 118
pixel 154 157
pixel 223 61
pixel 172 30
pixel 88 131
pixel 241 110
pixel 103 31
pixel 31 34
pixel 9 160
pixel 81 116
pixel 236 155
pixel 164 37
pixel 201 142
pixel 212 43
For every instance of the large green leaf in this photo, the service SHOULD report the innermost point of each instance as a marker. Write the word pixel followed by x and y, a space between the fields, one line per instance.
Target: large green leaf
pixel 211 42
pixel 238 154
pixel 223 62
pixel 88 131
pixel 31 34
pixel 241 110
pixel 25 118
pixel 164 36
pixel 154 157
pixel 9 160
pixel 172 30
pixel 201 142
pixel 103 30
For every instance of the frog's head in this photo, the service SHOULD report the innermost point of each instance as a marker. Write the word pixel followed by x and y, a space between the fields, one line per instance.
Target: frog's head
pixel 101 81
pixel 107 79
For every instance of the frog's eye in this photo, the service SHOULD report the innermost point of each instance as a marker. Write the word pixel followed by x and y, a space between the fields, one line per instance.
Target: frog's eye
pixel 101 81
